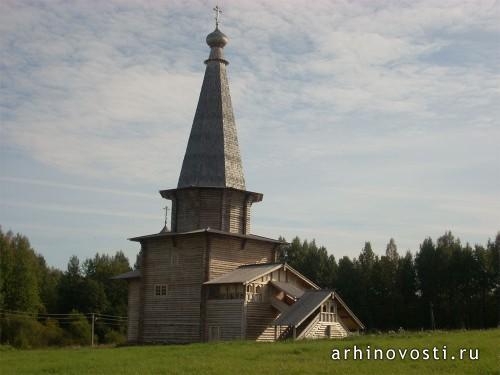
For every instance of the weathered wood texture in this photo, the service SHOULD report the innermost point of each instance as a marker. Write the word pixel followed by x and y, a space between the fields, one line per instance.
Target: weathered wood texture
pixel 326 330
pixel 288 277
pixel 182 264
pixel 226 314
pixel 227 254
pixel 222 209
pixel 259 319
pixel 133 310
pixel 212 156
pixel 175 317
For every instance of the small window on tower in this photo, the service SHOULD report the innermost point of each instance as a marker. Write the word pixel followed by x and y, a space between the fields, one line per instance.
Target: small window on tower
pixel 160 290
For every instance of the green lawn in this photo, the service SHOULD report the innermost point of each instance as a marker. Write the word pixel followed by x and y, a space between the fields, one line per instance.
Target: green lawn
pixel 303 357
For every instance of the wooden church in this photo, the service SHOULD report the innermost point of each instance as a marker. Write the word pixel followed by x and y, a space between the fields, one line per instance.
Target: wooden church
pixel 209 278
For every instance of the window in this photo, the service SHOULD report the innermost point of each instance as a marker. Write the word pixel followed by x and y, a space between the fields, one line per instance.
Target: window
pixel 160 290
pixel 328 312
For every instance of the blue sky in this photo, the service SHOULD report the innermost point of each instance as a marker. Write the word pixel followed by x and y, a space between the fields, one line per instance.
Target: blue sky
pixel 358 120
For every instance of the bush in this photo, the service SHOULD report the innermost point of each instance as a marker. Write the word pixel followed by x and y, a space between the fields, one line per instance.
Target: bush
pixel 115 337
pixel 53 334
pixel 22 332
pixel 79 331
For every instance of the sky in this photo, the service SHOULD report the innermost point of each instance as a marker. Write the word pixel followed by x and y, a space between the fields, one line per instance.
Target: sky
pixel 358 120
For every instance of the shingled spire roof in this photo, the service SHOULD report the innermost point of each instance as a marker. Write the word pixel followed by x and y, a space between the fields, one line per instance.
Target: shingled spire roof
pixel 212 156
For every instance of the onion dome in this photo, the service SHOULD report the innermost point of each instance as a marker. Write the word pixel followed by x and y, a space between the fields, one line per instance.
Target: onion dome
pixel 217 39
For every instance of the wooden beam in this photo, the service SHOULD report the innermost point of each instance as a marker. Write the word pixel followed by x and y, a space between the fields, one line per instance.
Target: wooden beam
pixel 142 291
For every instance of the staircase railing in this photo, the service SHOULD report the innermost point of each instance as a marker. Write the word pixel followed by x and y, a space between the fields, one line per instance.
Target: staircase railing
pixel 285 334
pixel 309 327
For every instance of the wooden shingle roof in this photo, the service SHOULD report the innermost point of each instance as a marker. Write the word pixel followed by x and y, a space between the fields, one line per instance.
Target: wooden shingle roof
pixel 128 275
pixel 307 304
pixel 288 288
pixel 212 157
pixel 250 272
pixel 211 231
pixel 303 308
pixel 245 274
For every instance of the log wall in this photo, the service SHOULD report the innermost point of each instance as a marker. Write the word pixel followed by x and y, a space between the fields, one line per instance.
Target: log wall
pixel 326 330
pixel 227 315
pixel 222 209
pixel 228 253
pixel 133 310
pixel 179 265
pixel 259 319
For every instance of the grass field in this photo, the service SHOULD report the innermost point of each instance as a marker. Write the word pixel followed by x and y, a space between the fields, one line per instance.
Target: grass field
pixel 303 357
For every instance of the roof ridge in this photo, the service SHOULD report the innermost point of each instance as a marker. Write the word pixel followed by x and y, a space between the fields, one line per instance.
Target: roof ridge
pixel 260 264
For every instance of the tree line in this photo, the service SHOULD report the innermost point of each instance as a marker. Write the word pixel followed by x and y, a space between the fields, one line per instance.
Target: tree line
pixel 41 305
pixel 445 285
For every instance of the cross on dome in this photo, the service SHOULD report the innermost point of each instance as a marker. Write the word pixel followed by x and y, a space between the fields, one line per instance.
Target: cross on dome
pixel 218 12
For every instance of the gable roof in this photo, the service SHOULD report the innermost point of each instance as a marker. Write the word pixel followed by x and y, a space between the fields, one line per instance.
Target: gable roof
pixel 250 272
pixel 288 288
pixel 128 275
pixel 303 308
pixel 353 316
pixel 245 274
pixel 307 304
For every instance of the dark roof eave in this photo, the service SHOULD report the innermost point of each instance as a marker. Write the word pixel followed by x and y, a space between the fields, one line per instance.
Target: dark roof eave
pixel 170 193
pixel 207 230
pixel 134 274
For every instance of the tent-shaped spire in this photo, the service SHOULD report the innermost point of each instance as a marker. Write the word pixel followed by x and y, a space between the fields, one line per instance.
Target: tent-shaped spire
pixel 212 156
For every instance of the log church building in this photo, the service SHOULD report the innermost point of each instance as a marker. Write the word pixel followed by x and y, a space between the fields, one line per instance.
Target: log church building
pixel 208 277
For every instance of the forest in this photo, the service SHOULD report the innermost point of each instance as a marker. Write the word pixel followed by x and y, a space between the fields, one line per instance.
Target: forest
pixel 44 306
pixel 444 285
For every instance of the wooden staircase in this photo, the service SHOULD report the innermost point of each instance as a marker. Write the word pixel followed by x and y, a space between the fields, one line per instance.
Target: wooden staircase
pixel 324 329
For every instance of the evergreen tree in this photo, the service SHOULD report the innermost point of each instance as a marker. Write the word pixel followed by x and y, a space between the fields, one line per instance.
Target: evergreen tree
pixel 408 313
pixel 425 261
